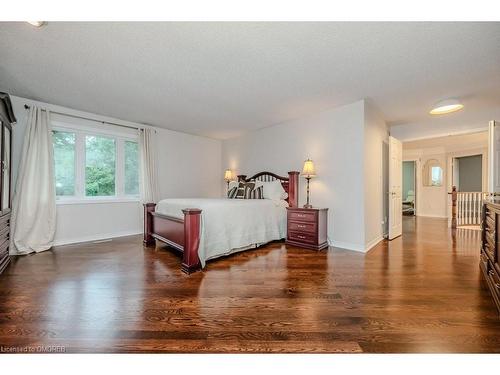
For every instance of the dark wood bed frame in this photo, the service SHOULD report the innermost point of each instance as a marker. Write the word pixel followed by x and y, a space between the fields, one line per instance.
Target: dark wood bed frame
pixel 184 234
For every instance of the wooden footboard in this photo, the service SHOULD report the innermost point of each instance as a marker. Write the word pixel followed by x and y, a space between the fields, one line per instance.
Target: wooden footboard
pixel 183 235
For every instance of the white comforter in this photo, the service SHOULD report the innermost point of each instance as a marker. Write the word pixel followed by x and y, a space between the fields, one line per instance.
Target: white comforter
pixel 230 225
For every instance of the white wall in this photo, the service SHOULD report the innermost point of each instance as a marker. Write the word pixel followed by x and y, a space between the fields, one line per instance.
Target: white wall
pixel 334 139
pixel 188 166
pixel 376 159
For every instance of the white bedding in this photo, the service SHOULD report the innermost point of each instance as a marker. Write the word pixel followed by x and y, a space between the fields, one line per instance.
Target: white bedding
pixel 231 225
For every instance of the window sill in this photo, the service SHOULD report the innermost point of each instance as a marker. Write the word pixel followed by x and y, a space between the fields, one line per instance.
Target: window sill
pixel 69 201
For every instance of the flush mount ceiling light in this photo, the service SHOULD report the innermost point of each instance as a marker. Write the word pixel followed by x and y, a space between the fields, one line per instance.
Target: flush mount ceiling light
pixel 37 23
pixel 446 106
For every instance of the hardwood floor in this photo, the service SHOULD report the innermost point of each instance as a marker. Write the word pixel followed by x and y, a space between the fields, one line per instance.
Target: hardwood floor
pixel 418 293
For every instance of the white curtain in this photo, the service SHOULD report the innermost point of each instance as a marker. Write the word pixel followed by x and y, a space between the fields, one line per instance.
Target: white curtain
pixel 34 206
pixel 149 174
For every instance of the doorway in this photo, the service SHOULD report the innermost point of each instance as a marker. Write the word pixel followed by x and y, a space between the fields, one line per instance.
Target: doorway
pixel 468 174
pixel 468 180
pixel 409 187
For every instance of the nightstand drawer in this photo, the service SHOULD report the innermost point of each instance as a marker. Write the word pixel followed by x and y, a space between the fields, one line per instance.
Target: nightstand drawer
pixel 302 227
pixel 303 237
pixel 302 216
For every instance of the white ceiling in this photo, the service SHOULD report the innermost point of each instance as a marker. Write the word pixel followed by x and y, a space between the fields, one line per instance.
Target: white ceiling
pixel 223 79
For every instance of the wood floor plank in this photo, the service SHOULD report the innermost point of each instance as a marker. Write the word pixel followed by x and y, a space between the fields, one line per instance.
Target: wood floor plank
pixel 421 292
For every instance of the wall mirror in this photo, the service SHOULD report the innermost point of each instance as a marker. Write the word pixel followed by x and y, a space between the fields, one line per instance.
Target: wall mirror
pixel 432 173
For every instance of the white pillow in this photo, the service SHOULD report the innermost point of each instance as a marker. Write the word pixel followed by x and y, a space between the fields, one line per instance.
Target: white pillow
pixel 274 190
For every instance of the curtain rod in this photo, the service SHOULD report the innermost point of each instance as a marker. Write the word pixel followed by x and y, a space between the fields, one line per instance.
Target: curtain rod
pixel 26 106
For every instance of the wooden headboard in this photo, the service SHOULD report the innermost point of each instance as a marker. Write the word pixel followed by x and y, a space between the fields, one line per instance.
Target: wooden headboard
pixel 290 183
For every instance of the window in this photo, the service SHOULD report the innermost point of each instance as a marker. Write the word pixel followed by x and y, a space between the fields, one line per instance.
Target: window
pixel 436 176
pixel 64 160
pixel 131 168
pixel 93 167
pixel 432 173
pixel 100 166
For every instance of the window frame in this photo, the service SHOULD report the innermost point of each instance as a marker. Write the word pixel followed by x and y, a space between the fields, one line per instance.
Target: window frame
pixel 80 165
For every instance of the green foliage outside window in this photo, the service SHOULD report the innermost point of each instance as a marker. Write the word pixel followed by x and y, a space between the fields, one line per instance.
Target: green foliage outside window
pixel 100 166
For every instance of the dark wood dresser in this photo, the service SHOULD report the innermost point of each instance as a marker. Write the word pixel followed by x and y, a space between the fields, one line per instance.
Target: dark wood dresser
pixel 7 119
pixel 490 247
pixel 307 227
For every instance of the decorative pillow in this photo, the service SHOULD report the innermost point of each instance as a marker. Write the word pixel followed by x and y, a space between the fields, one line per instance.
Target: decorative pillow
pixel 257 193
pixel 233 184
pixel 231 193
pixel 274 190
pixel 244 190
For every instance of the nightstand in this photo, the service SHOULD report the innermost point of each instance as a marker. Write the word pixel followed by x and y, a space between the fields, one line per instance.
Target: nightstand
pixel 307 227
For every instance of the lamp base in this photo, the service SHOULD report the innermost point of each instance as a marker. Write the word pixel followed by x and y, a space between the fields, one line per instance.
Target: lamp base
pixel 308 206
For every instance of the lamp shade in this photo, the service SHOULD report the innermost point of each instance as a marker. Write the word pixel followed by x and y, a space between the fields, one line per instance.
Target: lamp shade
pixel 228 175
pixel 308 169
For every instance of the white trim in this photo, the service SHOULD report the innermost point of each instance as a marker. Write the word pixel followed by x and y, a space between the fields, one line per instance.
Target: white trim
pixel 373 243
pixel 434 216
pixel 98 237
pixel 347 246
pixel 95 200
pixel 439 135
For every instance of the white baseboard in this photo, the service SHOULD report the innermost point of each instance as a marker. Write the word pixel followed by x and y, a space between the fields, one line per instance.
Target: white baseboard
pixel 347 246
pixel 98 237
pixel 373 243
pixel 356 247
pixel 434 216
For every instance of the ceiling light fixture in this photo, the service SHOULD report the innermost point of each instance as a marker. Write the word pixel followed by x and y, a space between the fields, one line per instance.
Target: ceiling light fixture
pixel 37 23
pixel 446 106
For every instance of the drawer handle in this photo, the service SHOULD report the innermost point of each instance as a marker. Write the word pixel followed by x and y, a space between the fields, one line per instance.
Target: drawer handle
pixel 301 226
pixel 301 237
pixel 300 215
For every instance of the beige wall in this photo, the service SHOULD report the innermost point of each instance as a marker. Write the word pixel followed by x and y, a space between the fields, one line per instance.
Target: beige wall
pixel 334 140
pixel 435 201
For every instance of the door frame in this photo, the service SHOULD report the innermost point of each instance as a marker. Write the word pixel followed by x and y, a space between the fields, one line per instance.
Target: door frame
pixel 449 177
pixel 417 179
pixel 396 230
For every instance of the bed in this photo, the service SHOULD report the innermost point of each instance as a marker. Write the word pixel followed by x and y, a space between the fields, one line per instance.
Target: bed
pixel 205 229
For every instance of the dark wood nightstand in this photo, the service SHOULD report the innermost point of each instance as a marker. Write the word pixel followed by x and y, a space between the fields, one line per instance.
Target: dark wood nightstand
pixel 307 227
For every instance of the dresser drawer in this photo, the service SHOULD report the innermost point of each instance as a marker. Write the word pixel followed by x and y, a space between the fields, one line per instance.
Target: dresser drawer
pixel 494 283
pixel 4 233
pixel 490 223
pixel 3 256
pixel 302 227
pixel 303 237
pixel 4 246
pixel 483 263
pixel 490 214
pixel 300 216
pixel 4 221
pixel 489 250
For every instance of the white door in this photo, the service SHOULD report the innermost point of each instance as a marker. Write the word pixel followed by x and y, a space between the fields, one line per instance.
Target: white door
pixel 494 157
pixel 395 188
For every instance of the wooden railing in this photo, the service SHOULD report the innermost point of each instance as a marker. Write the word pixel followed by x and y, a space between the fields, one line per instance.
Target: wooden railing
pixel 466 207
